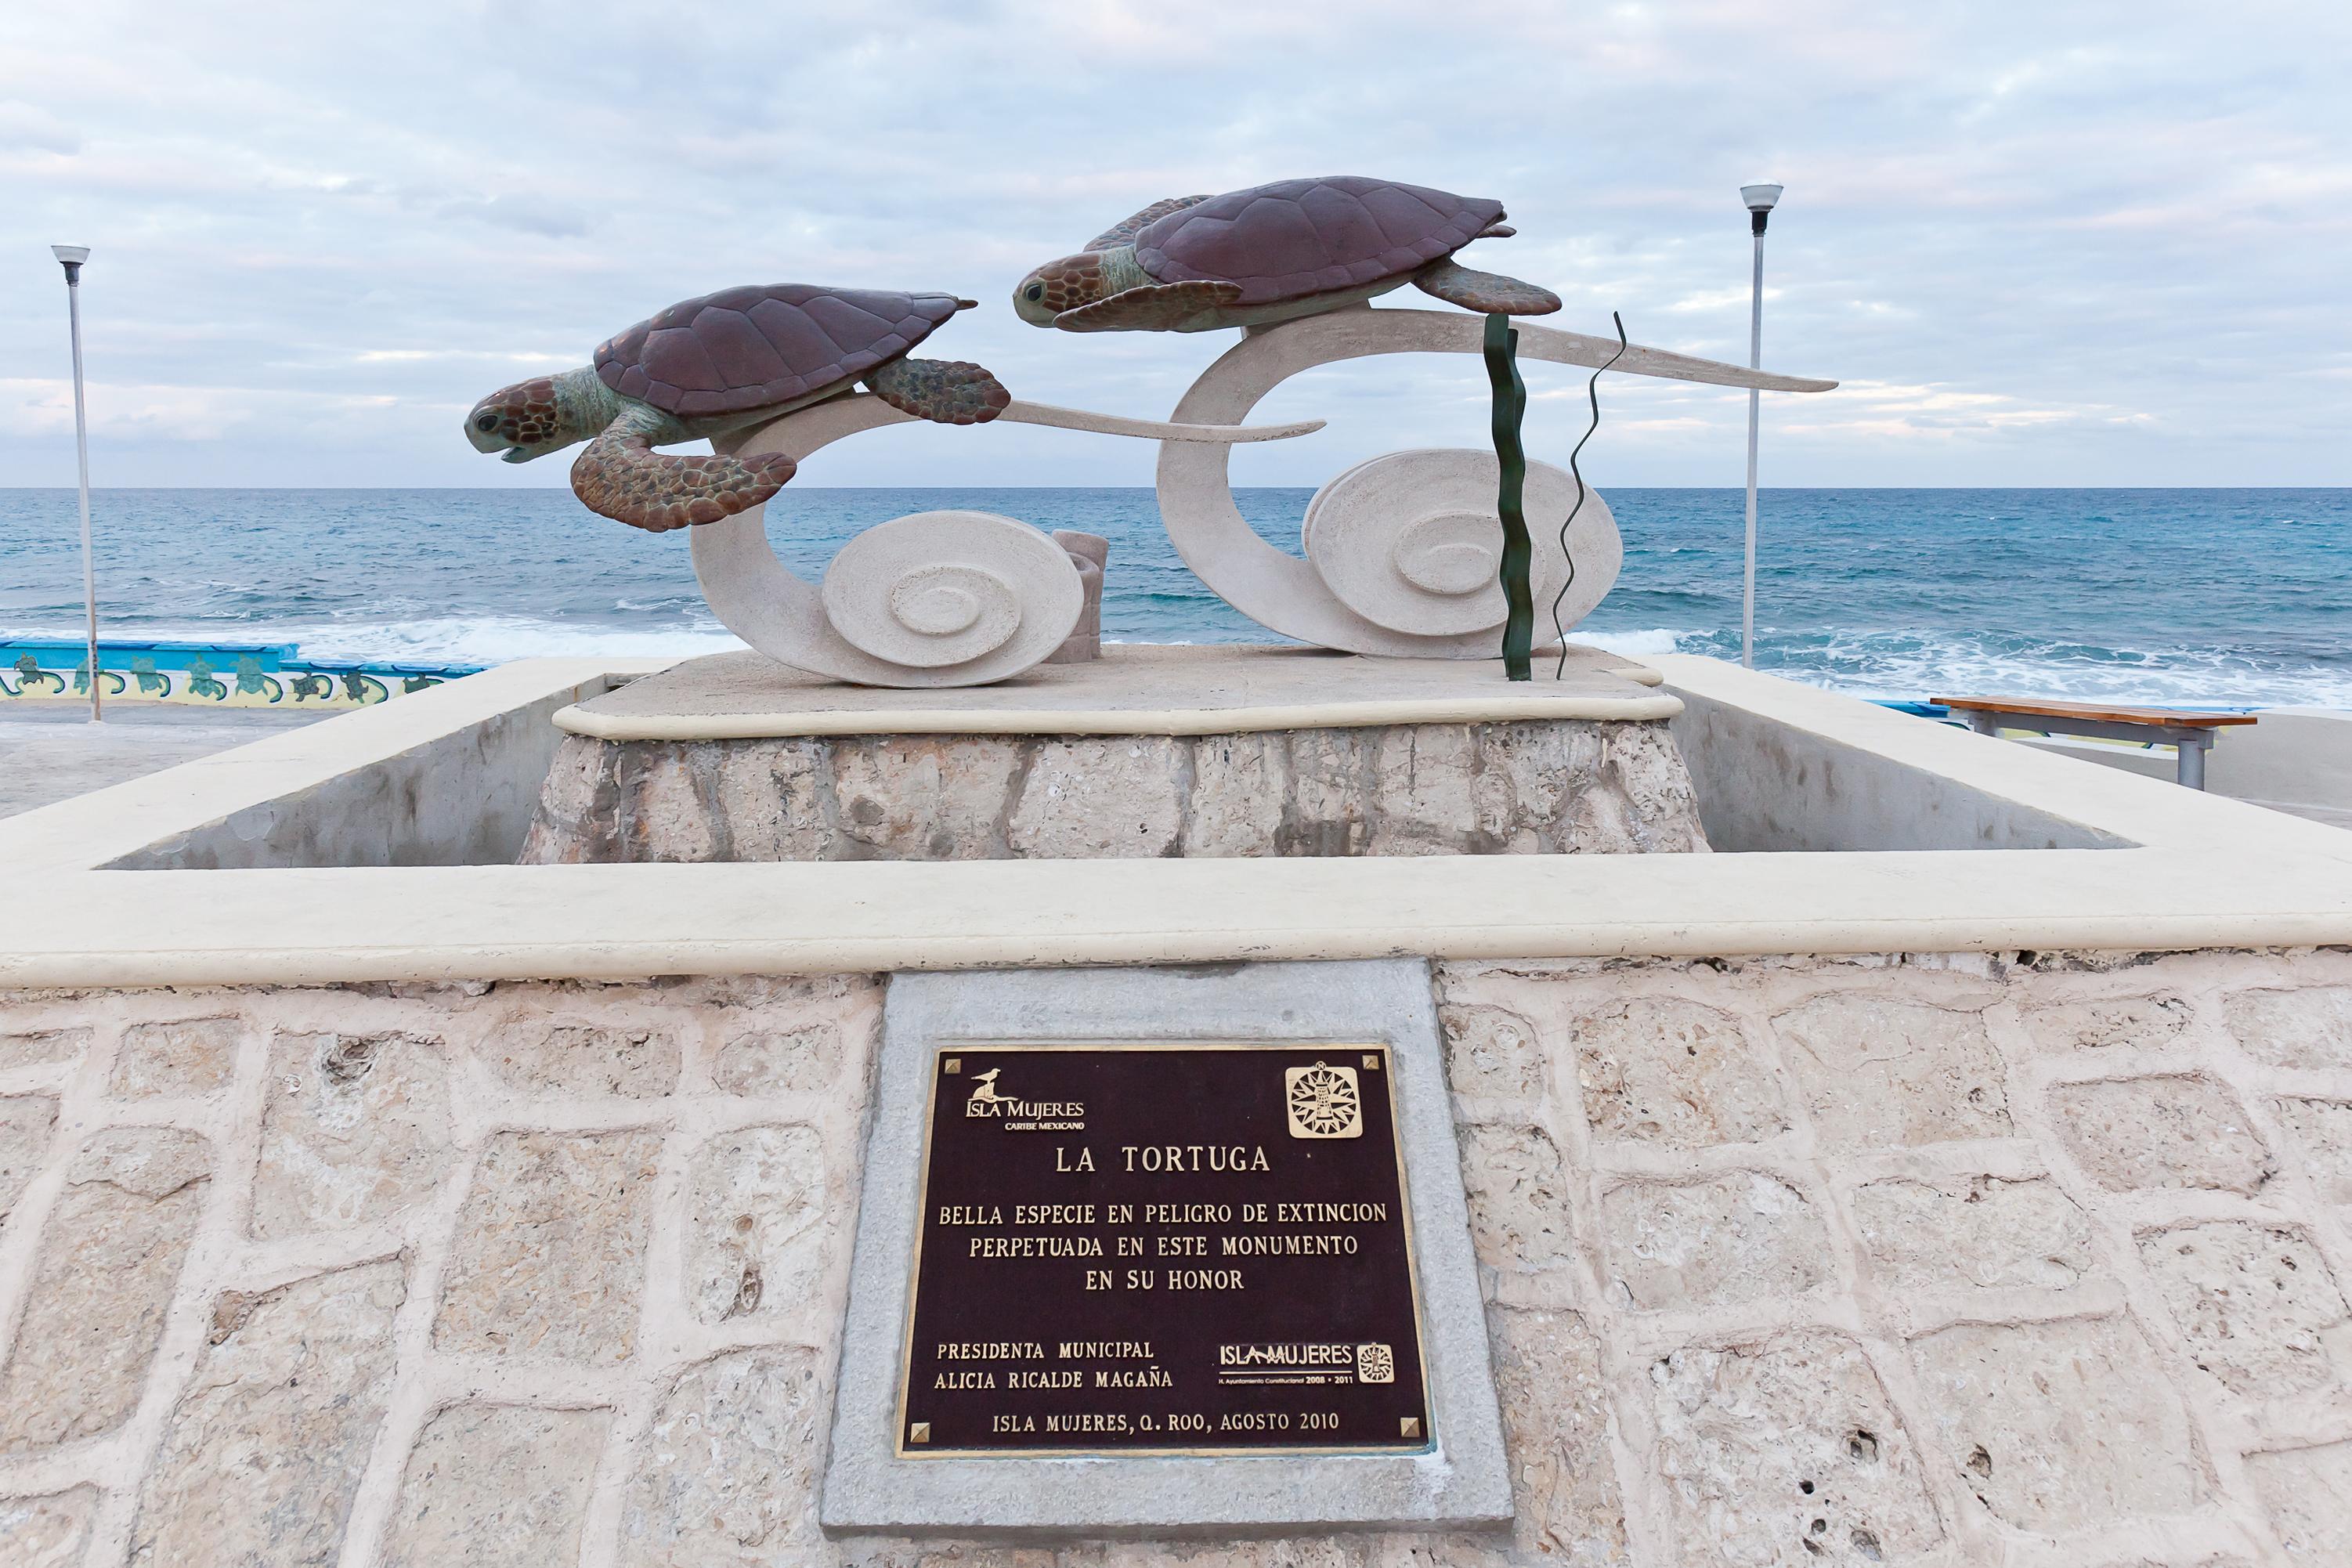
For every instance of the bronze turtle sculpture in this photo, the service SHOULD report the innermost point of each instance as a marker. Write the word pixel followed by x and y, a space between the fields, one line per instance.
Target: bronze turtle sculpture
pixel 1272 253
pixel 719 362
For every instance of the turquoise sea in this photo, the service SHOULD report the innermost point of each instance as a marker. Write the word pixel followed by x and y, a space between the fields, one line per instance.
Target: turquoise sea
pixel 2182 595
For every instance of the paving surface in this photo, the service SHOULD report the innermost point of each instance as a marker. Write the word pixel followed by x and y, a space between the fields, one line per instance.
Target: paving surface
pixel 51 752
pixel 2029 1260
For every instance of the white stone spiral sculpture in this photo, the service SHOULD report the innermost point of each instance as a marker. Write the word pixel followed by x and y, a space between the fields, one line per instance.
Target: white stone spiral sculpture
pixel 1403 552
pixel 937 598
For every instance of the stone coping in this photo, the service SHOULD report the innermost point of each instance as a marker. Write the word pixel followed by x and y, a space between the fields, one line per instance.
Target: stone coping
pixel 2194 871
pixel 1133 690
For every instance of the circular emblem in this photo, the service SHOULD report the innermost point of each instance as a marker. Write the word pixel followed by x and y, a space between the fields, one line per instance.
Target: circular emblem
pixel 1323 1100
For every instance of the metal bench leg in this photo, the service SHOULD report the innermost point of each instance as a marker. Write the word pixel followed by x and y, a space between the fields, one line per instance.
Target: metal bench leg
pixel 2191 752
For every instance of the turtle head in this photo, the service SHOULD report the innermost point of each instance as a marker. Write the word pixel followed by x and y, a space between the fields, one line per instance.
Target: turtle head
pixel 530 419
pixel 1063 285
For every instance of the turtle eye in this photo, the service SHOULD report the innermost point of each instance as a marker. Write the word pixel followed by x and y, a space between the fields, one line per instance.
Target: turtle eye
pixel 1035 290
pixel 487 423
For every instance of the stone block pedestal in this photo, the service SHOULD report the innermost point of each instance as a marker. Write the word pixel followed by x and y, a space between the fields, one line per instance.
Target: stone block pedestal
pixel 1150 751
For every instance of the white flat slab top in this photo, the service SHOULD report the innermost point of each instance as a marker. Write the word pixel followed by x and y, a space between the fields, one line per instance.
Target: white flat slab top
pixel 2205 872
pixel 1133 690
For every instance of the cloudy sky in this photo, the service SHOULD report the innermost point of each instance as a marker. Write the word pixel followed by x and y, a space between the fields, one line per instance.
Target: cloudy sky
pixel 2040 244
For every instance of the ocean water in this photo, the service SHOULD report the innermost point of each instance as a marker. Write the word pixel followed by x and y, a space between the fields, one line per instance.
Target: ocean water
pixel 2153 596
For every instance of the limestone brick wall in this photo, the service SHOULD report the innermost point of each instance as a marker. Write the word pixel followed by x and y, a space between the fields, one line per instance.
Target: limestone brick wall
pixel 2030 1259
pixel 1550 787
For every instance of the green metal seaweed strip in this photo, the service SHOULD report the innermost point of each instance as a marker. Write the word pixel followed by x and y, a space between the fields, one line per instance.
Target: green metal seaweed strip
pixel 1511 459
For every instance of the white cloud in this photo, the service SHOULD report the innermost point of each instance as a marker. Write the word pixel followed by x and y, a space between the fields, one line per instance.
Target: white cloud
pixel 2041 244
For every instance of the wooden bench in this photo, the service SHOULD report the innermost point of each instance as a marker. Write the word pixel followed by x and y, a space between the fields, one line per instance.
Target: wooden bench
pixel 2189 734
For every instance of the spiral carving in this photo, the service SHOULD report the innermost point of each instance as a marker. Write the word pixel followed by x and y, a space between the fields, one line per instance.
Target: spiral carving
pixel 1409 541
pixel 942 588
pixel 935 598
pixel 1382 574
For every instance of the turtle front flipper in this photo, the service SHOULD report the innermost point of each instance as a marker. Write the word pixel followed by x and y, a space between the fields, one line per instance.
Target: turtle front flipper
pixel 1154 308
pixel 622 477
pixel 1126 229
pixel 1488 293
pixel 948 391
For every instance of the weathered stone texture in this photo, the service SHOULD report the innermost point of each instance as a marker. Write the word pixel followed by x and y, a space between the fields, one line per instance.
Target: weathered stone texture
pixel 2309 1495
pixel 1743 1237
pixel 2146 1023
pixel 1671 1071
pixel 355 1129
pixel 1100 799
pixel 569 798
pixel 1875 1072
pixel 2320 1132
pixel 2310 1028
pixel 47 1531
pixel 1492 1052
pixel 553 1057
pixel 37 1048
pixel 727 1474
pixel 550 1252
pixel 265 1446
pixel 190 1056
pixel 796 1061
pixel 496 1486
pixel 764 1223
pixel 2255 1304
pixel 913 797
pixel 2160 1132
pixel 2057 1425
pixel 26 1124
pixel 1787 1452
pixel 1972 1232
pixel 1518 1197
pixel 769 796
pixel 1565 1502
pixel 1711 1200
pixel 1240 784
pixel 110 1259
pixel 1548 788
pixel 817 1036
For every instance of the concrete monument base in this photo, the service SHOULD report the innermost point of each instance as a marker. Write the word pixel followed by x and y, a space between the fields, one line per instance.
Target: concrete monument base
pixel 1956 1172
pixel 1150 752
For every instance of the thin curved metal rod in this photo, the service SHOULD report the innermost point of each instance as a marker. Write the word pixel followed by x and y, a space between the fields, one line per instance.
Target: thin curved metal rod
pixel 1019 412
pixel 1591 391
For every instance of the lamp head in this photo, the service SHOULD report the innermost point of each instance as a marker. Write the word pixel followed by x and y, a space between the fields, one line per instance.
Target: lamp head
pixel 1759 200
pixel 71 256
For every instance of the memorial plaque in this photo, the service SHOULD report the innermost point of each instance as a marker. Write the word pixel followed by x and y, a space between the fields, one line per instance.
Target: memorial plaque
pixel 1162 1249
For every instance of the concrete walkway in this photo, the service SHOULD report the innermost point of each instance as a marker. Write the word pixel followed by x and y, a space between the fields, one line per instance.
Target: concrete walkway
pixel 49 751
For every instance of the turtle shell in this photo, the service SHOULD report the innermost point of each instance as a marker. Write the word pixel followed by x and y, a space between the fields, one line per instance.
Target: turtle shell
pixel 1297 237
pixel 754 347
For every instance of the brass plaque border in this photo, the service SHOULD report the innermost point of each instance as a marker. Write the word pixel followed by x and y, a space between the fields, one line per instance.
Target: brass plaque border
pixel 1404 1447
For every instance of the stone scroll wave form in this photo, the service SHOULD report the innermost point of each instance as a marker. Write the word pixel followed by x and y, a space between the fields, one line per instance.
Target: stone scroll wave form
pixel 1402 553
pixel 933 599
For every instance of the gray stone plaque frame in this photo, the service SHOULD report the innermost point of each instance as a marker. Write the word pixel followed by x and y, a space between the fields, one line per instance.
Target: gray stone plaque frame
pixel 1461 1483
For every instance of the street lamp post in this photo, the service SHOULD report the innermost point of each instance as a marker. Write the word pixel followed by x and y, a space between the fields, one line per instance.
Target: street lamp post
pixel 1759 200
pixel 71 256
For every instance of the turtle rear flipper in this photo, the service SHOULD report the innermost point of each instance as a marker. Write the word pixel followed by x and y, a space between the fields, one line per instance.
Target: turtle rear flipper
pixel 947 391
pixel 1126 229
pixel 1154 308
pixel 1488 293
pixel 622 477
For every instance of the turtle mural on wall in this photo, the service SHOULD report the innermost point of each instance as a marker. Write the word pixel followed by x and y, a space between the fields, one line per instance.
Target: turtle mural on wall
pixel 722 363
pixel 1274 253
